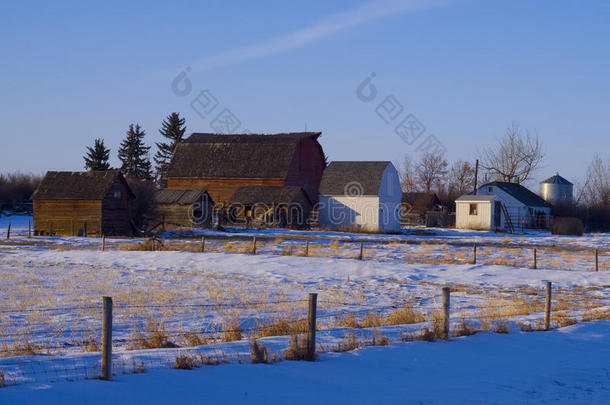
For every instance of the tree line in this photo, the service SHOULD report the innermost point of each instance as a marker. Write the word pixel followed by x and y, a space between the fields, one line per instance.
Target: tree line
pixel 134 154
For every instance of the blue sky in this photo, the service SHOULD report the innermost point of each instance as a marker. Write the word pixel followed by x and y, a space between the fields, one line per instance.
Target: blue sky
pixel 74 71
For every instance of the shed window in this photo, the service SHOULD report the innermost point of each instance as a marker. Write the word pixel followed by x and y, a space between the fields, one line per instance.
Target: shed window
pixel 117 195
pixel 490 189
pixel 474 209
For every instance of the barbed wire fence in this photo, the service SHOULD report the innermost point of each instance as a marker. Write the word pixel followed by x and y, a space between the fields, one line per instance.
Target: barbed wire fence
pixel 195 334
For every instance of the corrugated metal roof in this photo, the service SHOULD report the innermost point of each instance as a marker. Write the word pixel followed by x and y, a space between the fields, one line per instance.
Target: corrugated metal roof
pixel 179 197
pixel 556 179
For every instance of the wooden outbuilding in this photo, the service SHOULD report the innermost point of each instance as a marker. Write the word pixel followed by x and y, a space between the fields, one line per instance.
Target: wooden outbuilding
pixel 260 206
pixel 421 208
pixel 91 203
pixel 362 196
pixel 220 164
pixel 175 208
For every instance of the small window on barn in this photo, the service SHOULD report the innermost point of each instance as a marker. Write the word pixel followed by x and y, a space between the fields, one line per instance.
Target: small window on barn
pixel 474 209
pixel 490 189
pixel 117 195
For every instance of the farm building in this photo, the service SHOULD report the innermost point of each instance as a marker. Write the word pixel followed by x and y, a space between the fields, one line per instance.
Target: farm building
pixel 282 206
pixel 360 195
pixel 502 206
pixel 220 164
pixel 83 204
pixel 183 208
pixel 421 209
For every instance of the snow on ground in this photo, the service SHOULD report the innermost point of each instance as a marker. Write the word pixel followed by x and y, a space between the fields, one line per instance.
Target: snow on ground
pixel 565 366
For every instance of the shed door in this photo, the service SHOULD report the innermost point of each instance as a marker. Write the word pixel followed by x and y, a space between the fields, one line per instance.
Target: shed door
pixel 497 214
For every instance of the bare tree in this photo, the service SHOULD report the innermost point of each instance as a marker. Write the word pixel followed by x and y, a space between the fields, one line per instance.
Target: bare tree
pixel 406 174
pixel 460 179
pixel 596 190
pixel 430 171
pixel 515 157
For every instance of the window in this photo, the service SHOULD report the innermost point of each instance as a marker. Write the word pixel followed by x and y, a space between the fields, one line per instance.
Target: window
pixel 490 189
pixel 117 195
pixel 474 209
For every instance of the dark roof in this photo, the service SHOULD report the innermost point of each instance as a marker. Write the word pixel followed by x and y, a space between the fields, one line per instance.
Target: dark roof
pixel 91 185
pixel 557 179
pixel 471 197
pixel 179 197
pixel 255 156
pixel 421 201
pixel 519 192
pixel 266 195
pixel 352 178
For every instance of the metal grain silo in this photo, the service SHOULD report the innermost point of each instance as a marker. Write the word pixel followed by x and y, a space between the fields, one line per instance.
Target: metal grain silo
pixel 557 190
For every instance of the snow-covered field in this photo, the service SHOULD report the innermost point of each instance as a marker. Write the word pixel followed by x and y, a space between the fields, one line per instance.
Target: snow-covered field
pixel 565 366
pixel 50 303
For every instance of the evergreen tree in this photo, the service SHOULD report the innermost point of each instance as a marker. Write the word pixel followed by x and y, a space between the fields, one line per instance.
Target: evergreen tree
pixel 133 154
pixel 97 156
pixel 172 128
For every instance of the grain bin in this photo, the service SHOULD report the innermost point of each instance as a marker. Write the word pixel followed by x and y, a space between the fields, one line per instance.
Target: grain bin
pixel 556 190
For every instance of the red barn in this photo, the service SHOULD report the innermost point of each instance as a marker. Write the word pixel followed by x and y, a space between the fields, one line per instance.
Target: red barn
pixel 220 164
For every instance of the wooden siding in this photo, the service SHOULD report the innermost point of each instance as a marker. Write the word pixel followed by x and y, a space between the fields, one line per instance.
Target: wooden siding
pixel 176 216
pixel 67 217
pixel 306 168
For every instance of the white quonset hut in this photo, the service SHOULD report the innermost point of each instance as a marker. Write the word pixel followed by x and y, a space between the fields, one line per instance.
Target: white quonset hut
pixel 360 196
pixel 502 206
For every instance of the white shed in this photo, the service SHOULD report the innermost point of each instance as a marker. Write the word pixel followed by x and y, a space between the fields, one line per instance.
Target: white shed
pixel 502 206
pixel 360 196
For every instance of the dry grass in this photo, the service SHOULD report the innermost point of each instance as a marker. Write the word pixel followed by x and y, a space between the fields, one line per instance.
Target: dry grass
pixel 298 348
pixel 232 331
pixel 348 343
pixel 258 353
pixel 281 327
pixel 186 362
pixel 153 337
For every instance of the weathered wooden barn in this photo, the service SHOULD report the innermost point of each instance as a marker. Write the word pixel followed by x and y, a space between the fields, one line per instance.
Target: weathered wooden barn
pixel 361 196
pixel 420 208
pixel 91 203
pixel 282 206
pixel 220 164
pixel 502 206
pixel 175 208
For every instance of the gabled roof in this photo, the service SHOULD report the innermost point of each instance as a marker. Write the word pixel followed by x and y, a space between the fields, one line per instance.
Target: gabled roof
pixel 267 195
pixel 520 193
pixel 421 201
pixel 180 197
pixel 243 156
pixel 352 178
pixel 556 179
pixel 93 185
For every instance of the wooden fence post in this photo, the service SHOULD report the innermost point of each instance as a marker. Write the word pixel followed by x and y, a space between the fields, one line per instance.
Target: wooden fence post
pixel 361 256
pixel 203 244
pixel 547 307
pixel 29 229
pixel 107 340
pixel 446 306
pixel 254 245
pixel 8 233
pixel 306 248
pixel 103 242
pixel 596 259
pixel 311 323
pixel 85 229
pixel 72 225
pixel 50 228
pixel 474 254
pixel 535 265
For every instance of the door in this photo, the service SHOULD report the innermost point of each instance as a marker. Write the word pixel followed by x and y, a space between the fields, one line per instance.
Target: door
pixel 497 214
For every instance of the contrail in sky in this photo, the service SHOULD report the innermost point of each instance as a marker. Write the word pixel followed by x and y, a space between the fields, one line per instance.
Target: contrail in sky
pixel 327 26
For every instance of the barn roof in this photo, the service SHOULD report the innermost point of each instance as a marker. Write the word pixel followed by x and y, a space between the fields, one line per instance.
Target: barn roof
pixel 92 185
pixel 253 156
pixel 267 195
pixel 179 197
pixel 520 193
pixel 421 201
pixel 352 178
pixel 471 197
